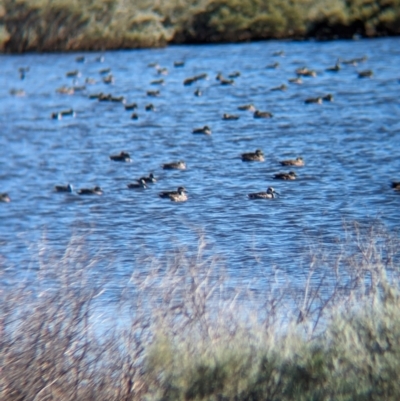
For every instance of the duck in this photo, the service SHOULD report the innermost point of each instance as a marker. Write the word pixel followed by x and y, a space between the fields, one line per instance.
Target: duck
pixel 74 73
pixel 262 114
pixel 17 92
pixel 157 82
pixel 179 165
pixel 109 79
pixel 176 196
pixel 104 71
pixel 328 98
pixel 305 72
pixel 122 157
pixel 257 156
pixel 200 76
pixel 5 198
pixel 179 63
pixel 141 183
pixel 335 68
pixel 59 115
pixel 298 162
pixel 90 191
pixel 297 81
pixel 104 97
pixel 396 186
pixel 224 81
pixel 272 66
pixel 153 93
pixel 22 72
pixel 118 99
pixel 282 87
pixel 131 106
pixel 227 116
pixel 269 194
pixel 316 100
pixel 65 90
pixel 134 116
pixel 365 74
pixel 150 179
pixel 80 59
pixel 189 81
pixel 63 188
pixel 90 81
pixel 291 175
pixel 149 107
pixel 355 61
pixel 79 88
pixel 198 92
pixel 205 130
pixel 248 107
pixel 162 70
pixel 234 74
pixel 95 96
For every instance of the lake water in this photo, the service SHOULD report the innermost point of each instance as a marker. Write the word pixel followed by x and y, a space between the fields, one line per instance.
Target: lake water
pixel 350 147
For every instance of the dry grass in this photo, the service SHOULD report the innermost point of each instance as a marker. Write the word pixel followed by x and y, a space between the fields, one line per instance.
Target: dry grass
pixel 61 25
pixel 179 330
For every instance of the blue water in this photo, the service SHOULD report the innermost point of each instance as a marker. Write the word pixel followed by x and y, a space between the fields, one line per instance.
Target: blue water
pixel 350 147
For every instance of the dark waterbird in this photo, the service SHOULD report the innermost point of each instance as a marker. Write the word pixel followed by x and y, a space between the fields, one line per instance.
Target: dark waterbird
pixel 63 188
pixel 176 196
pixel 121 157
pixel 179 165
pixel 140 184
pixel 269 194
pixel 257 156
pixel 90 191
pixel 227 117
pixel 291 175
pixel 4 197
pixel 262 114
pixel 59 115
pixel 298 162
pixel 206 130
pixel 150 179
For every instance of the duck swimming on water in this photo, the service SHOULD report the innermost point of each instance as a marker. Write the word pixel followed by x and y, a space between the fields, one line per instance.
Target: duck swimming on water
pixel 122 157
pixel 176 196
pixel 293 162
pixel 179 165
pixel 91 191
pixel 257 156
pixel 5 198
pixel 291 175
pixel 63 188
pixel 270 194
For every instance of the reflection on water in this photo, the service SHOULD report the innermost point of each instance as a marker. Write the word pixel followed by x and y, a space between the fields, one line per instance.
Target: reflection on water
pixel 350 148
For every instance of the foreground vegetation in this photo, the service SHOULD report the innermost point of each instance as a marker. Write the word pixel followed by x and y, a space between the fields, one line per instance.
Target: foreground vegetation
pixel 62 25
pixel 183 332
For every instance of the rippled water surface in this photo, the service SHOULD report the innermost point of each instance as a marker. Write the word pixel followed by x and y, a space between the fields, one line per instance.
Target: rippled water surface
pixel 350 147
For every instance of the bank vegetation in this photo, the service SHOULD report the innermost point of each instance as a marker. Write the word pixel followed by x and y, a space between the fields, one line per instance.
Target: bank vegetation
pixel 71 25
pixel 180 329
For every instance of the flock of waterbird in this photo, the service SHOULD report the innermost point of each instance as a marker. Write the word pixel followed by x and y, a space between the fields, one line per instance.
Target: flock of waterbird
pixel 180 195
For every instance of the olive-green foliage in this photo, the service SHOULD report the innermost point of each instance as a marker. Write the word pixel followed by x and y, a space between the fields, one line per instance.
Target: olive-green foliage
pixel 184 338
pixel 356 358
pixel 235 20
pixel 344 18
pixel 45 25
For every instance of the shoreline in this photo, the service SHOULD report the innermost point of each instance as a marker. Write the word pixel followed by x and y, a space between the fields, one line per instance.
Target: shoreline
pixel 86 25
pixel 194 43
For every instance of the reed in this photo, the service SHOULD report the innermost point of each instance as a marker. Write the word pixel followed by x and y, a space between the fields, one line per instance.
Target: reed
pixel 179 329
pixel 61 25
